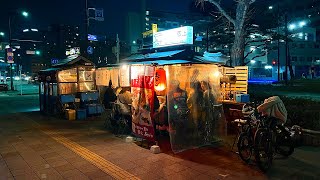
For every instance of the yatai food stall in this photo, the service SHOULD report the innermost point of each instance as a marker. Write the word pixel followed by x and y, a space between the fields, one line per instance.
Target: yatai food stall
pixel 69 86
pixel 187 87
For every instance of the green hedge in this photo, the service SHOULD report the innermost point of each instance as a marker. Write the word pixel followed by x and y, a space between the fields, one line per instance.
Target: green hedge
pixel 302 112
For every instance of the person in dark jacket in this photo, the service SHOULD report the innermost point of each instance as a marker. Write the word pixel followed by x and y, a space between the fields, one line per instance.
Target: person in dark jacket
pixel 109 96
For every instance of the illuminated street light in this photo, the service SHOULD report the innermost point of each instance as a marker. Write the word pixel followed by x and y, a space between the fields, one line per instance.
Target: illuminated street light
pixel 302 23
pixel 253 61
pixel 267 67
pixel 292 26
pixel 38 52
pixel 1 33
pixel 25 14
pixel 270 7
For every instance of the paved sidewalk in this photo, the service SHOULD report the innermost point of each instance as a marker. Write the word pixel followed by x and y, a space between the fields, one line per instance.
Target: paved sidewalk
pixel 38 147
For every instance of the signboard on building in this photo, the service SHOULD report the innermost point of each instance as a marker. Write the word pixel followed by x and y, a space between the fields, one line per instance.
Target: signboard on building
pixel 173 37
pixel 154 28
pixel 92 37
pixel 30 52
pixel 54 61
pixel 99 15
pixel 73 51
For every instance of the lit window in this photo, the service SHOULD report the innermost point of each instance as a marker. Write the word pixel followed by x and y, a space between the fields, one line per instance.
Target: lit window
pixel 147 19
pixel 147 13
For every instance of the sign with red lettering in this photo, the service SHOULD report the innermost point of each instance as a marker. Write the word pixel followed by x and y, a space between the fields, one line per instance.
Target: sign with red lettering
pixel 142 90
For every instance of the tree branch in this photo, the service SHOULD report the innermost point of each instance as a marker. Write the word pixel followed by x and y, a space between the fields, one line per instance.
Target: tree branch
pixel 260 55
pixel 252 51
pixel 223 12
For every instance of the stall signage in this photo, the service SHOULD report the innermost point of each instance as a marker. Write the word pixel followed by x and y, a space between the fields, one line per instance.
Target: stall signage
pixel 142 90
pixel 73 51
pixel 173 37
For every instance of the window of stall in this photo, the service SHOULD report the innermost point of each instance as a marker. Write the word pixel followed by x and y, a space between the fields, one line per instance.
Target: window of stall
pixel 86 79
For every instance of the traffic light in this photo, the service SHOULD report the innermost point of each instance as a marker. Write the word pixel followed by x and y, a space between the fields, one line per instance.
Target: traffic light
pixel 274 62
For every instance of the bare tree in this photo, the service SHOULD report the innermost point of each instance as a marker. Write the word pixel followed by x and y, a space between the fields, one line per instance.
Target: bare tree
pixel 239 23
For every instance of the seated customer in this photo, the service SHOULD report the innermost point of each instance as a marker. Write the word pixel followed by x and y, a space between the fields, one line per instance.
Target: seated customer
pixel 109 96
pixel 124 101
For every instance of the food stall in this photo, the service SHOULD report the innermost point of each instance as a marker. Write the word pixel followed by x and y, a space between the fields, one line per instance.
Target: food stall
pixel 188 88
pixel 69 85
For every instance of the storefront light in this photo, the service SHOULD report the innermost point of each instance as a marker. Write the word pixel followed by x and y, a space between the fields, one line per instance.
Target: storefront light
pixel 267 67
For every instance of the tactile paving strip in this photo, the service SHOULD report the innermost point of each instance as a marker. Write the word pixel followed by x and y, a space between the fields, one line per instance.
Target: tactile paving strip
pixel 101 163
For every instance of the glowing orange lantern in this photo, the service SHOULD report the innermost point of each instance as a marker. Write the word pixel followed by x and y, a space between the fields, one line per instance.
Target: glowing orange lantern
pixel 160 80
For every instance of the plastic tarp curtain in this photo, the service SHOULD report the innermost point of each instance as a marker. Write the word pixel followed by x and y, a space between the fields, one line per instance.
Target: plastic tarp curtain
pixel 195 116
pixel 142 91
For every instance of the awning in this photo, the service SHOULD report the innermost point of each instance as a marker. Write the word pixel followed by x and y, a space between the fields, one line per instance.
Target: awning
pixel 50 69
pixel 161 62
pixel 155 55
pixel 70 62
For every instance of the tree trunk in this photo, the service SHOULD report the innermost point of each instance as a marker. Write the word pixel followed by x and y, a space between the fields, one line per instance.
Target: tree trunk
pixel 237 51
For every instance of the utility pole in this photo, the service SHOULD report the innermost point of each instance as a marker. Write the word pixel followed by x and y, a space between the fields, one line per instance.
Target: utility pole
pixel 286 47
pixel 10 43
pixel 118 49
pixel 86 30
pixel 278 32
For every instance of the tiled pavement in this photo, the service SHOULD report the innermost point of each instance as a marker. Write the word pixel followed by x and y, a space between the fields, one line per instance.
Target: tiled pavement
pixel 28 153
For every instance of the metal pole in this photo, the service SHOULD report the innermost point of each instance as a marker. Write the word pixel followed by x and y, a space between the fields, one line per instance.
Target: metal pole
pixel 118 49
pixel 20 81
pixel 10 39
pixel 86 29
pixel 278 31
pixel 286 34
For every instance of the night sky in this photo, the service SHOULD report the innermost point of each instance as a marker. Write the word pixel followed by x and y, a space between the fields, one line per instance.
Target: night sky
pixel 46 12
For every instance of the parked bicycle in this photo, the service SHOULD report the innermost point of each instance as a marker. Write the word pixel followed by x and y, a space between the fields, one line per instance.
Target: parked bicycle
pixel 262 136
pixel 270 139
pixel 246 136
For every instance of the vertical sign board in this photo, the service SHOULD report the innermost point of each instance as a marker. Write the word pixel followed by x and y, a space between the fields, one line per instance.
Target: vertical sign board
pixel 154 28
pixel 142 90
pixel 173 37
pixel 10 59
pixel 99 15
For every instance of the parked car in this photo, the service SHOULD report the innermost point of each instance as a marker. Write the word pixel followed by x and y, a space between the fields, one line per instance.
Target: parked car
pixel 4 87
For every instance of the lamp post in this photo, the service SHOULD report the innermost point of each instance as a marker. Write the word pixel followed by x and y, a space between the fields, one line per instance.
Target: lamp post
pixel 11 15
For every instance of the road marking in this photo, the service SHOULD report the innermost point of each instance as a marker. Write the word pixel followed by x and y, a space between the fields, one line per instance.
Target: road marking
pixel 101 163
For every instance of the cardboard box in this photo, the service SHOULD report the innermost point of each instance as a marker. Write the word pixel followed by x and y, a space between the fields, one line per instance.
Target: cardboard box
pixel 71 114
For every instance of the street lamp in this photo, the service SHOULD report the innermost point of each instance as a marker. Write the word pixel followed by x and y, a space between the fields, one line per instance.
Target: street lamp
pixel 11 15
pixel 25 14
pixel 302 23
pixel 1 33
pixel 292 26
pixel 270 7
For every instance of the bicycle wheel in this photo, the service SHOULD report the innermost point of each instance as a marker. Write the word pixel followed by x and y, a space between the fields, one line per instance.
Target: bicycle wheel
pixel 263 149
pixel 245 144
pixel 284 143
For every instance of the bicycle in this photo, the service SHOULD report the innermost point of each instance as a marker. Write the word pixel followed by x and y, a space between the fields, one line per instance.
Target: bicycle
pixel 271 138
pixel 245 142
